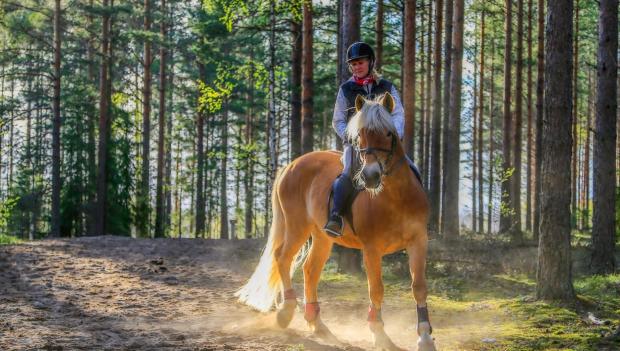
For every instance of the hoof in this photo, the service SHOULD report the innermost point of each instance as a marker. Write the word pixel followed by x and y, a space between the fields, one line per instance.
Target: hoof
pixel 426 343
pixel 285 313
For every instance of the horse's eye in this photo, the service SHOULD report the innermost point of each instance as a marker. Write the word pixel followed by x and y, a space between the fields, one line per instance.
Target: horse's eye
pixel 389 134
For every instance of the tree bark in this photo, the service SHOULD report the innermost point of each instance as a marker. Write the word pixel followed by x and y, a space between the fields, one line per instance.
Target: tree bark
pixel 491 142
pixel 200 200
pixel 159 199
pixel 427 113
pixel 480 125
pixel 554 275
pixel 585 219
pixel 446 102
pixel 575 75
pixel 296 57
pixel 603 229
pixel 104 112
pixel 451 218
pixel 517 144
pixel 307 113
pixel 56 124
pixel 144 196
pixel 540 80
pixel 409 76
pixel 530 127
pixel 224 232
pixel 435 163
pixel 379 36
pixel 505 206
pixel 248 183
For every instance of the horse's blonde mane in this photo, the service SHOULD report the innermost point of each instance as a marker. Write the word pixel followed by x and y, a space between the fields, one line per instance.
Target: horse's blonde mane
pixel 373 117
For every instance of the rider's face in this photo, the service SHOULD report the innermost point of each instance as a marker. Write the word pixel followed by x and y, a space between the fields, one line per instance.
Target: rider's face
pixel 359 67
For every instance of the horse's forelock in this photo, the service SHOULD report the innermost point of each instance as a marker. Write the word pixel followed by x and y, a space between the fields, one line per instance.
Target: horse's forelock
pixel 372 117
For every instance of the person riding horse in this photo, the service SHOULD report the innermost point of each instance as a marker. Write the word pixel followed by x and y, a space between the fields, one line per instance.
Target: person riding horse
pixel 365 81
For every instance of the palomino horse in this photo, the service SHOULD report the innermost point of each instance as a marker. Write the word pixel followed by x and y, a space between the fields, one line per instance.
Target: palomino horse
pixel 390 216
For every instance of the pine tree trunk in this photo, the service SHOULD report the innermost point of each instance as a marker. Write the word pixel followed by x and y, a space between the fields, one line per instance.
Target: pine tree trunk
pixel 92 121
pixel 168 177
pixel 449 17
pixel 474 139
pixel 517 234
pixel 307 113
pixel 296 57
pixel 144 196
pixel 159 198
pixel 540 80
pixel 435 162
pixel 530 127
pixel 248 183
pixel 451 212
pixel 379 36
pixel 603 229
pixel 491 142
pixel 271 117
pixel 554 275
pixel 427 112
pixel 104 112
pixel 505 221
pixel 409 76
pixel 575 75
pixel 56 184
pixel 199 171
pixel 585 224
pixel 480 126
pixel 422 136
pixel 224 233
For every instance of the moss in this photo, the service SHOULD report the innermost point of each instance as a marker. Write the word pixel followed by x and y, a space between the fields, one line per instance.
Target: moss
pixel 9 240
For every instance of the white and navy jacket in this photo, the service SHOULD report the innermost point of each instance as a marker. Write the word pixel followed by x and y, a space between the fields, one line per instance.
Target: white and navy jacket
pixel 345 104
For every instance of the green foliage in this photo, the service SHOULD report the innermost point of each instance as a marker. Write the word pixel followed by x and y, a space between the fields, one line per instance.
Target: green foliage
pixel 9 240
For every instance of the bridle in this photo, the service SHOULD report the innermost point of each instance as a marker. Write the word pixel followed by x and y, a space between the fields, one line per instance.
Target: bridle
pixel 390 154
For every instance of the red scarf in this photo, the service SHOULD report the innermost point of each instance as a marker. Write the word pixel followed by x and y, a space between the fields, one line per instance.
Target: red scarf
pixel 364 81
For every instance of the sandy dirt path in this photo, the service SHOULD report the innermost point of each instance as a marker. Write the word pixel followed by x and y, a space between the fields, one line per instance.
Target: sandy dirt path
pixel 115 293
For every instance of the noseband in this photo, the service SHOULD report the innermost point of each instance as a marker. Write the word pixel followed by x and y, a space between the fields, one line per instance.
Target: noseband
pixel 390 154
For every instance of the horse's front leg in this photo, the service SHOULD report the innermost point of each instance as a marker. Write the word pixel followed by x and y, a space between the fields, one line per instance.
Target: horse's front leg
pixel 417 267
pixel 372 261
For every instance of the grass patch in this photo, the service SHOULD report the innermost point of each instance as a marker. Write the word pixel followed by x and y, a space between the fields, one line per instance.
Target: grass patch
pixel 9 239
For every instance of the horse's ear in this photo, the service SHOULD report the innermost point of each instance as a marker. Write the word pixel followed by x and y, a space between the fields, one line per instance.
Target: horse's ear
pixel 388 102
pixel 359 102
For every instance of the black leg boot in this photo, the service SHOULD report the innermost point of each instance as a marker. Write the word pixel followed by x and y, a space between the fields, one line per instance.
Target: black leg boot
pixel 342 187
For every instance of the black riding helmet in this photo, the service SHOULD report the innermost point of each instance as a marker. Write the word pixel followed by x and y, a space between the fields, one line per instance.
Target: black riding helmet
pixel 361 50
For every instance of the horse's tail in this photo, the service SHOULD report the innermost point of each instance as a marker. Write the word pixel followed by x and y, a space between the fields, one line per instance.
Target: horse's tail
pixel 263 287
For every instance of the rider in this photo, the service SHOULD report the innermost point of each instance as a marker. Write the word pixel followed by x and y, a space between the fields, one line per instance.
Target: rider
pixel 366 82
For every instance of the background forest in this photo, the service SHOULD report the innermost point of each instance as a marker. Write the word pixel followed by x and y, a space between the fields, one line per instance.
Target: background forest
pixel 171 118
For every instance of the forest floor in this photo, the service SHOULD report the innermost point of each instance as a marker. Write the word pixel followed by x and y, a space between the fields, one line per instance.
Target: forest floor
pixel 115 293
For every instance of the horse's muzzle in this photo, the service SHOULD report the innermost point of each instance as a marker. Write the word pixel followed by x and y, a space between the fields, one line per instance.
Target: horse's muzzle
pixel 372 176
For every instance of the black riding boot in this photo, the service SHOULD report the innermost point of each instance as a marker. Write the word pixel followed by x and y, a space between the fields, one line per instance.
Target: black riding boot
pixel 342 188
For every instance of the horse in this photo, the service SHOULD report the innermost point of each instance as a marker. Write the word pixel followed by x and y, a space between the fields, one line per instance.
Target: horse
pixel 391 215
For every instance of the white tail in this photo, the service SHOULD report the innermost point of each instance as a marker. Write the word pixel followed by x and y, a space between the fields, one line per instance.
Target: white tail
pixel 263 287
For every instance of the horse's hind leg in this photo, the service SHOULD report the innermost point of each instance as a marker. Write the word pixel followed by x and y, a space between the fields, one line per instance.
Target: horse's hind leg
pixel 313 266
pixel 294 239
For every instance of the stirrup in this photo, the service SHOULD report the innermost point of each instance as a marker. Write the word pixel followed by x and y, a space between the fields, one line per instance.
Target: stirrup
pixel 330 230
